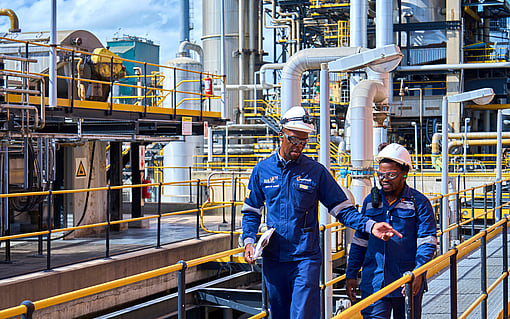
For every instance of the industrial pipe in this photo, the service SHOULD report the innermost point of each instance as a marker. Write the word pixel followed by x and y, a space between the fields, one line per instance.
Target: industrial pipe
pixel 304 60
pixel 263 84
pixel 186 45
pixel 241 59
pixel 453 67
pixel 13 17
pixel 472 138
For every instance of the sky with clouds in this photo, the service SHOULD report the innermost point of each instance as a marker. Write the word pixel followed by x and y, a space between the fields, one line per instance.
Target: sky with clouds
pixel 157 20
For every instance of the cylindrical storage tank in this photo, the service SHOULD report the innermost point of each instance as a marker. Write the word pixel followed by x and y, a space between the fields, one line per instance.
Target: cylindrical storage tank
pixel 178 159
pixel 211 43
pixel 186 83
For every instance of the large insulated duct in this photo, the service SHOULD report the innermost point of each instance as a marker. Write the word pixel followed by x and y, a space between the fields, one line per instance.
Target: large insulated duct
pixel 186 45
pixel 308 59
pixel 364 95
pixel 13 17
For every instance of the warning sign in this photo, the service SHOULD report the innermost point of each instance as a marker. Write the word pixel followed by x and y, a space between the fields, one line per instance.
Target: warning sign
pixel 81 170
pixel 187 125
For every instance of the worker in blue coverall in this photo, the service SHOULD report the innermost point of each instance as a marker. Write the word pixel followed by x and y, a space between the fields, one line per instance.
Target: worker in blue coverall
pixel 291 184
pixel 410 213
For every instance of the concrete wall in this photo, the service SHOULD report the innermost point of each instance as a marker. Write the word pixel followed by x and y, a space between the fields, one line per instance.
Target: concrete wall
pixel 42 285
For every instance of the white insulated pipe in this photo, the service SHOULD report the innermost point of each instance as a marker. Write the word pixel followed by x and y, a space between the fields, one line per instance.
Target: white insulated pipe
pixel 186 45
pixel 444 178
pixel 383 23
pixel 364 95
pixel 308 59
pixel 358 23
pixel 264 85
pixel 52 94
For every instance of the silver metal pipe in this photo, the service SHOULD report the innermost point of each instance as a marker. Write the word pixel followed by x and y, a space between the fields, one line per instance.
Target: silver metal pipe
pixel 499 164
pixel 223 62
pixel 185 20
pixel 53 56
pixel 241 59
pixel 445 176
pixel 325 160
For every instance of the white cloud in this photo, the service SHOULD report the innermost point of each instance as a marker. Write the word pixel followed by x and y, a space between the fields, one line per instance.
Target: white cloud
pixel 157 20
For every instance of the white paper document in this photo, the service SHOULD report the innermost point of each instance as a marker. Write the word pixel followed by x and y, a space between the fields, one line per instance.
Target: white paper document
pixel 263 241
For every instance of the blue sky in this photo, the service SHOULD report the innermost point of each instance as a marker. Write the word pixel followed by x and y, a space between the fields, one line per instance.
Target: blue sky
pixel 157 20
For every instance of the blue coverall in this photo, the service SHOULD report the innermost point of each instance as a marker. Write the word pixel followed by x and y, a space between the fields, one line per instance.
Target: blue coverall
pixel 292 259
pixel 384 262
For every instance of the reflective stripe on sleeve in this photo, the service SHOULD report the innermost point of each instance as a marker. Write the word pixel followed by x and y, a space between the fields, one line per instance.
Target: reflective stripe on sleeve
pixel 248 208
pixel 339 207
pixel 427 240
pixel 359 241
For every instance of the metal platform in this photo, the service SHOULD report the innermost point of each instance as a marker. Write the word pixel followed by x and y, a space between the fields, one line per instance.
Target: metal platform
pixel 436 302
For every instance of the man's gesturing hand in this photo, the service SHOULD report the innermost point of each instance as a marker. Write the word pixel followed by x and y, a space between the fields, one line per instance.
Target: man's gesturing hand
pixel 350 287
pixel 248 254
pixel 384 231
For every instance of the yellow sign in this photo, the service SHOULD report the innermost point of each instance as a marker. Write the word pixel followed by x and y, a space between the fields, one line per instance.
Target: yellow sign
pixel 80 172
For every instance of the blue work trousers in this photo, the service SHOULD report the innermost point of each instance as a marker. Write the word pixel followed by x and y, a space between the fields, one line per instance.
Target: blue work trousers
pixel 382 308
pixel 293 288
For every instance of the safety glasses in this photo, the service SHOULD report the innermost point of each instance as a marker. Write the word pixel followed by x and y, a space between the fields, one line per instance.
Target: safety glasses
pixel 388 175
pixel 295 140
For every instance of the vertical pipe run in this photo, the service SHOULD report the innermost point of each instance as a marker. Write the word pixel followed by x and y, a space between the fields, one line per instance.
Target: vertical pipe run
pixel 241 59
pixel 483 274
pixel 198 210
pixel 499 164
pixel 185 20
pixel 505 268
pixel 324 158
pixel 181 290
pixel 52 94
pixel 223 62
pixel 160 190
pixel 409 296
pixel 48 238
pixel 453 284
pixel 108 194
pixel 444 172
pixel 472 212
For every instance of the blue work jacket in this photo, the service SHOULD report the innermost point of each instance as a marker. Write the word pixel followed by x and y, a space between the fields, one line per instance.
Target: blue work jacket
pixel 291 192
pixel 386 261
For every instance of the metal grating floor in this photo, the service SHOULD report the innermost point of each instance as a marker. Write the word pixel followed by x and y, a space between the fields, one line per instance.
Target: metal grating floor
pixel 436 302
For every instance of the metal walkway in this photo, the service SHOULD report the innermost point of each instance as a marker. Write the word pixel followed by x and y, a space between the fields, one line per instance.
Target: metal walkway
pixel 436 302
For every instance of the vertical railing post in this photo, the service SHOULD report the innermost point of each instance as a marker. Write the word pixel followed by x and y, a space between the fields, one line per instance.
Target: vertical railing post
pixel 30 309
pixel 223 200
pixel 459 227
pixel 483 274
pixel 409 296
pixel 108 226
pixel 72 82
pixel 48 226
pixel 453 284
pixel 485 207
pixel 505 268
pixel 442 238
pixel 323 272
pixel 174 95
pixel 198 209
pixel 181 291
pixel 111 87
pixel 473 212
pixel 145 89
pixel 40 228
pixel 158 244
pixel 190 185
pixel 233 215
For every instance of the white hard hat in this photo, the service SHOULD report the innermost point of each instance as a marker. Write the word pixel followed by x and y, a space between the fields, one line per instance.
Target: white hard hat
pixel 297 119
pixel 397 153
